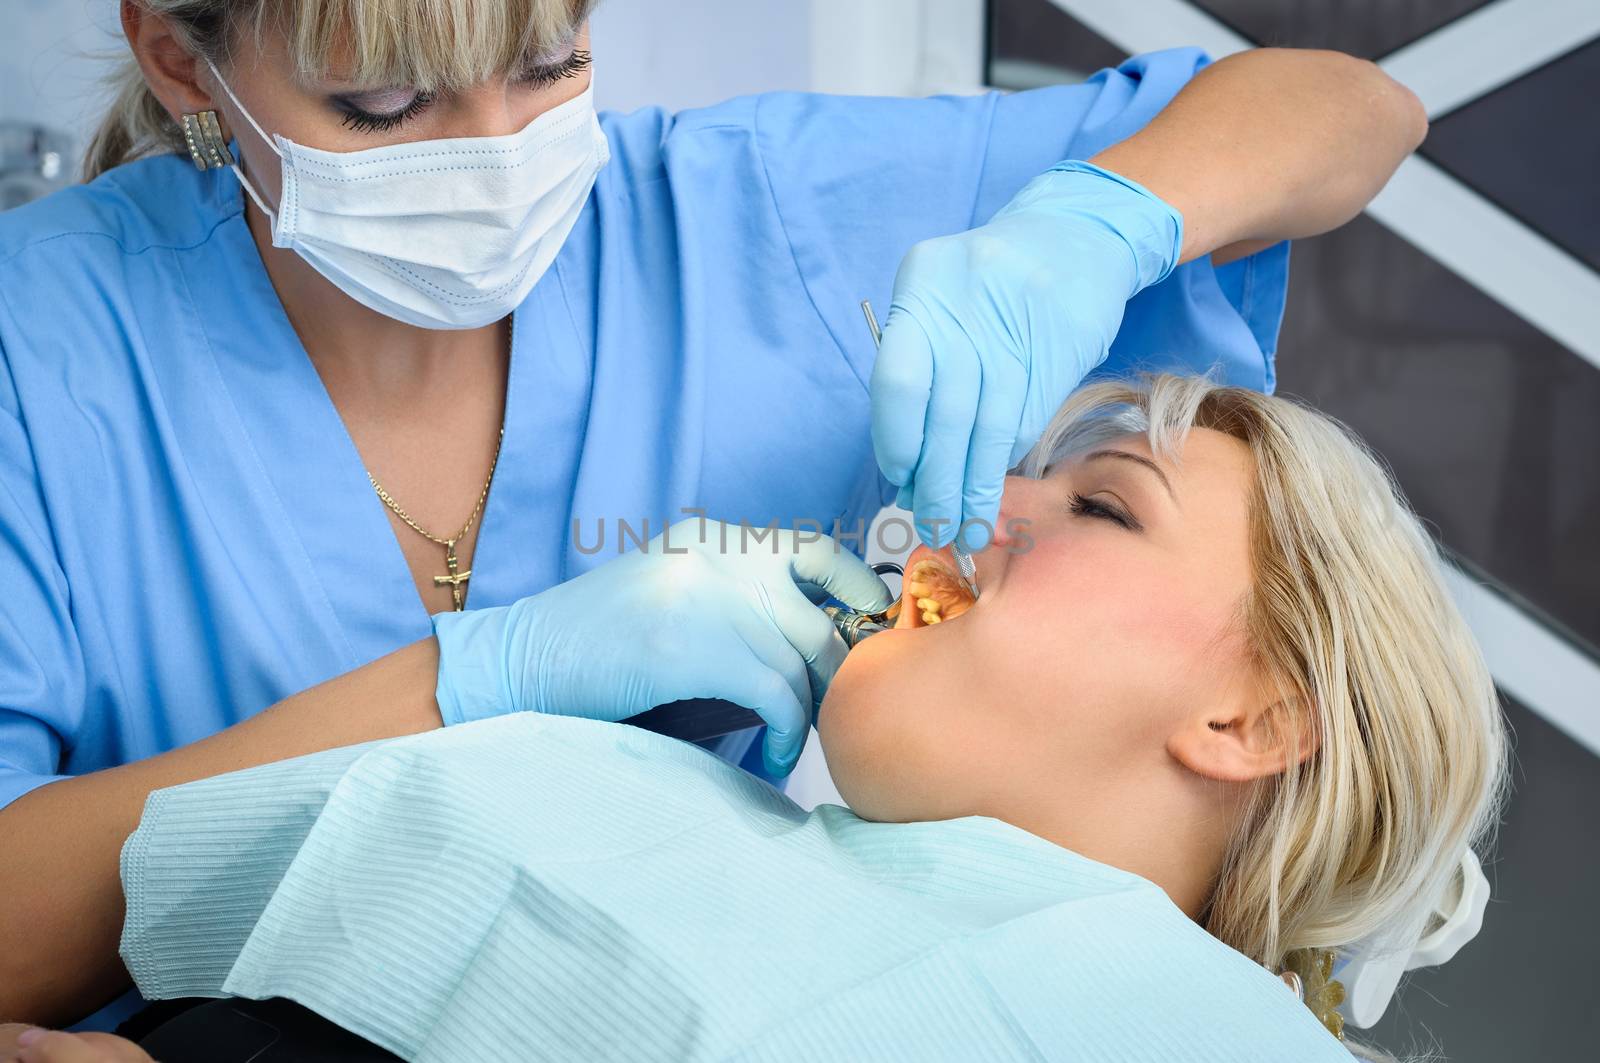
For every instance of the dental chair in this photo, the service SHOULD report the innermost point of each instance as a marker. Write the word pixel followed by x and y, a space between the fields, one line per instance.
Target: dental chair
pixel 246 1031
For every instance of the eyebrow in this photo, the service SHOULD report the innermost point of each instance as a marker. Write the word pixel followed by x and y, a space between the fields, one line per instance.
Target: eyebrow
pixel 1137 459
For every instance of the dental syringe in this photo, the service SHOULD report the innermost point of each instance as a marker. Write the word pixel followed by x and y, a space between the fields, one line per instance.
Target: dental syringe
pixel 854 626
pixel 702 719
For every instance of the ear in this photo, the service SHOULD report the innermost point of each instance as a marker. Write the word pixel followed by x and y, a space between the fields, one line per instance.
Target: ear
pixel 1255 737
pixel 169 69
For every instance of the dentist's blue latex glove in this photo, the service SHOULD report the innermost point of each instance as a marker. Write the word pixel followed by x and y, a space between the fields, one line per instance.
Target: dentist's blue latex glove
pixel 685 617
pixel 991 329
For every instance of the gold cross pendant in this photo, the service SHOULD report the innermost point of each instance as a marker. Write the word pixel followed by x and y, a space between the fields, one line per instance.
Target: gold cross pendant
pixel 457 581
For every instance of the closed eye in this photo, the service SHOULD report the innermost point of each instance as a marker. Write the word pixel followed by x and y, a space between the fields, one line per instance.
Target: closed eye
pixel 542 74
pixel 1084 506
pixel 363 120
pixel 383 111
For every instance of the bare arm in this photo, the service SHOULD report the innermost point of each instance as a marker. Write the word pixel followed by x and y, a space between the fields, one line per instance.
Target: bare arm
pixel 61 917
pixel 1272 144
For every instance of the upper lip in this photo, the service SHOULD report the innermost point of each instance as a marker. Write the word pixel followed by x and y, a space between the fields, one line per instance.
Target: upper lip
pixel 950 591
pixel 944 558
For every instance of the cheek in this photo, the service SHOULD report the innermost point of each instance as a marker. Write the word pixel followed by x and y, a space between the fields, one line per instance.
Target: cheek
pixel 263 168
pixel 1073 589
pixel 1089 626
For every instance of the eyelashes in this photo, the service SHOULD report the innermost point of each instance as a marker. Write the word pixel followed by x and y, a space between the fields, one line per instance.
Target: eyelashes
pixel 570 67
pixel 1093 507
pixel 364 121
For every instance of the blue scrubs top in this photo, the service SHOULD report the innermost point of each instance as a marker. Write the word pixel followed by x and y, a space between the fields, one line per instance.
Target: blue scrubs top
pixel 187 534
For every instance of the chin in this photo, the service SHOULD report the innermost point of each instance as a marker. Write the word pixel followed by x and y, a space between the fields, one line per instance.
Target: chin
pixel 855 722
pixel 880 723
pixel 886 733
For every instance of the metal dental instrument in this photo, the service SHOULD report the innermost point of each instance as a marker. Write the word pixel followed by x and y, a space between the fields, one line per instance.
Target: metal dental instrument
pixel 872 323
pixel 964 566
pixel 854 626
pixel 702 719
pixel 968 570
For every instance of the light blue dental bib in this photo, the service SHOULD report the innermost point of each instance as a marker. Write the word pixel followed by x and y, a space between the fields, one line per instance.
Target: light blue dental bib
pixel 541 887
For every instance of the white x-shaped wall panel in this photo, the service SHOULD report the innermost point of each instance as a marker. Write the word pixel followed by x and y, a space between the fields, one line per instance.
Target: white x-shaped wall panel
pixel 1466 59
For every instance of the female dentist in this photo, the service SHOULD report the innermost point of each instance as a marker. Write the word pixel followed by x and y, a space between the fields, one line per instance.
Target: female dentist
pixel 424 341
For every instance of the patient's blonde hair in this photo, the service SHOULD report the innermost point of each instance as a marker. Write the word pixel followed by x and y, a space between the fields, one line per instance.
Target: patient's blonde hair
pixel 1349 616
pixel 426 44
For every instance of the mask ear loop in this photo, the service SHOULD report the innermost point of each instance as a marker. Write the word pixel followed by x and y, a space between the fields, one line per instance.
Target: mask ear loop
pixel 238 171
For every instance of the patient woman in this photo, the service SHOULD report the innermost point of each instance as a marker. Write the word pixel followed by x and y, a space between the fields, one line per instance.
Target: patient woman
pixel 1213 711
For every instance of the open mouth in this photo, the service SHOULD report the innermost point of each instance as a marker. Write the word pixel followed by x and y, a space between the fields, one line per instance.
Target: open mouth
pixel 931 592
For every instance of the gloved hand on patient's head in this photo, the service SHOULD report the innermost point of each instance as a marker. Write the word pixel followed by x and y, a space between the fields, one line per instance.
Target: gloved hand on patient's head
pixel 991 329
pixel 705 610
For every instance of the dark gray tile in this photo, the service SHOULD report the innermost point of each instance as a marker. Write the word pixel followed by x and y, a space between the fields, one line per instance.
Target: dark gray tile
pixel 1034 42
pixel 1523 989
pixel 1492 428
pixel 1533 146
pixel 1368 28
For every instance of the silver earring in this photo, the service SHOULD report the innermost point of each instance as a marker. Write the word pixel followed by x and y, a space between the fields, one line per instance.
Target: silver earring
pixel 207 146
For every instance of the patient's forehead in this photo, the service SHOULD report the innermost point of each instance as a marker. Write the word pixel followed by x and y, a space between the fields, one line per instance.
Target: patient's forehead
pixel 1205 461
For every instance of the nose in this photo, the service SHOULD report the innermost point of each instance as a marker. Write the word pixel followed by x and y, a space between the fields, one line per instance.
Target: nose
pixel 1017 500
pixel 501 106
pixel 489 110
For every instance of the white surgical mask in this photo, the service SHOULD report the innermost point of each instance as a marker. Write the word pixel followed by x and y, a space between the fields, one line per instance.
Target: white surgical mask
pixel 445 234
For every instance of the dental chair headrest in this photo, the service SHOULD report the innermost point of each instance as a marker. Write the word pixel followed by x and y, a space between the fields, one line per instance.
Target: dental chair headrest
pixel 1374 967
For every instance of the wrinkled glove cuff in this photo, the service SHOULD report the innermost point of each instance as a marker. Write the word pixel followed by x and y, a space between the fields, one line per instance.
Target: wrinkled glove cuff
pixel 1152 227
pixel 471 675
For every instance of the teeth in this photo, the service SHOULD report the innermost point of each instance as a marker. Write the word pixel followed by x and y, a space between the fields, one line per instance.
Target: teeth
pixel 933 593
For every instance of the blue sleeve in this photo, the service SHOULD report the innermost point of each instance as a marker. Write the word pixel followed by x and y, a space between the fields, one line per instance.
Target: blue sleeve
pixel 41 668
pixel 857 182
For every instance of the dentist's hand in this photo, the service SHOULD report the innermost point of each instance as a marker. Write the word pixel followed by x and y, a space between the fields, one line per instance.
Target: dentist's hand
pixel 683 618
pixel 55 1046
pixel 991 330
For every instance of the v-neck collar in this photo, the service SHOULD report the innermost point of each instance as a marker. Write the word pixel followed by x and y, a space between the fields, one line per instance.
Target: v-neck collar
pixel 353 561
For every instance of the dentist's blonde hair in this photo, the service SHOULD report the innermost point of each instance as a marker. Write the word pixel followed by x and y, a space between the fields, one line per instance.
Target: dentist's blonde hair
pixel 1350 619
pixel 425 44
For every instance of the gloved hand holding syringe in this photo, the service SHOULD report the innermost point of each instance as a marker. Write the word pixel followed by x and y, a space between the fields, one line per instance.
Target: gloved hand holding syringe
pixel 705 610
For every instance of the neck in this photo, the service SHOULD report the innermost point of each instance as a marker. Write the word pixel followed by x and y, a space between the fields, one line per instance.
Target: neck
pixel 1166 825
pixel 360 352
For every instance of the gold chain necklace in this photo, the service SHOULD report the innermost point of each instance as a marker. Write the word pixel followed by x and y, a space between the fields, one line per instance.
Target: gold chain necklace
pixel 457 581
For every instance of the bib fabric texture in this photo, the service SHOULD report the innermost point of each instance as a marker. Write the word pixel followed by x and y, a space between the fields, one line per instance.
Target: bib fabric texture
pixel 542 887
